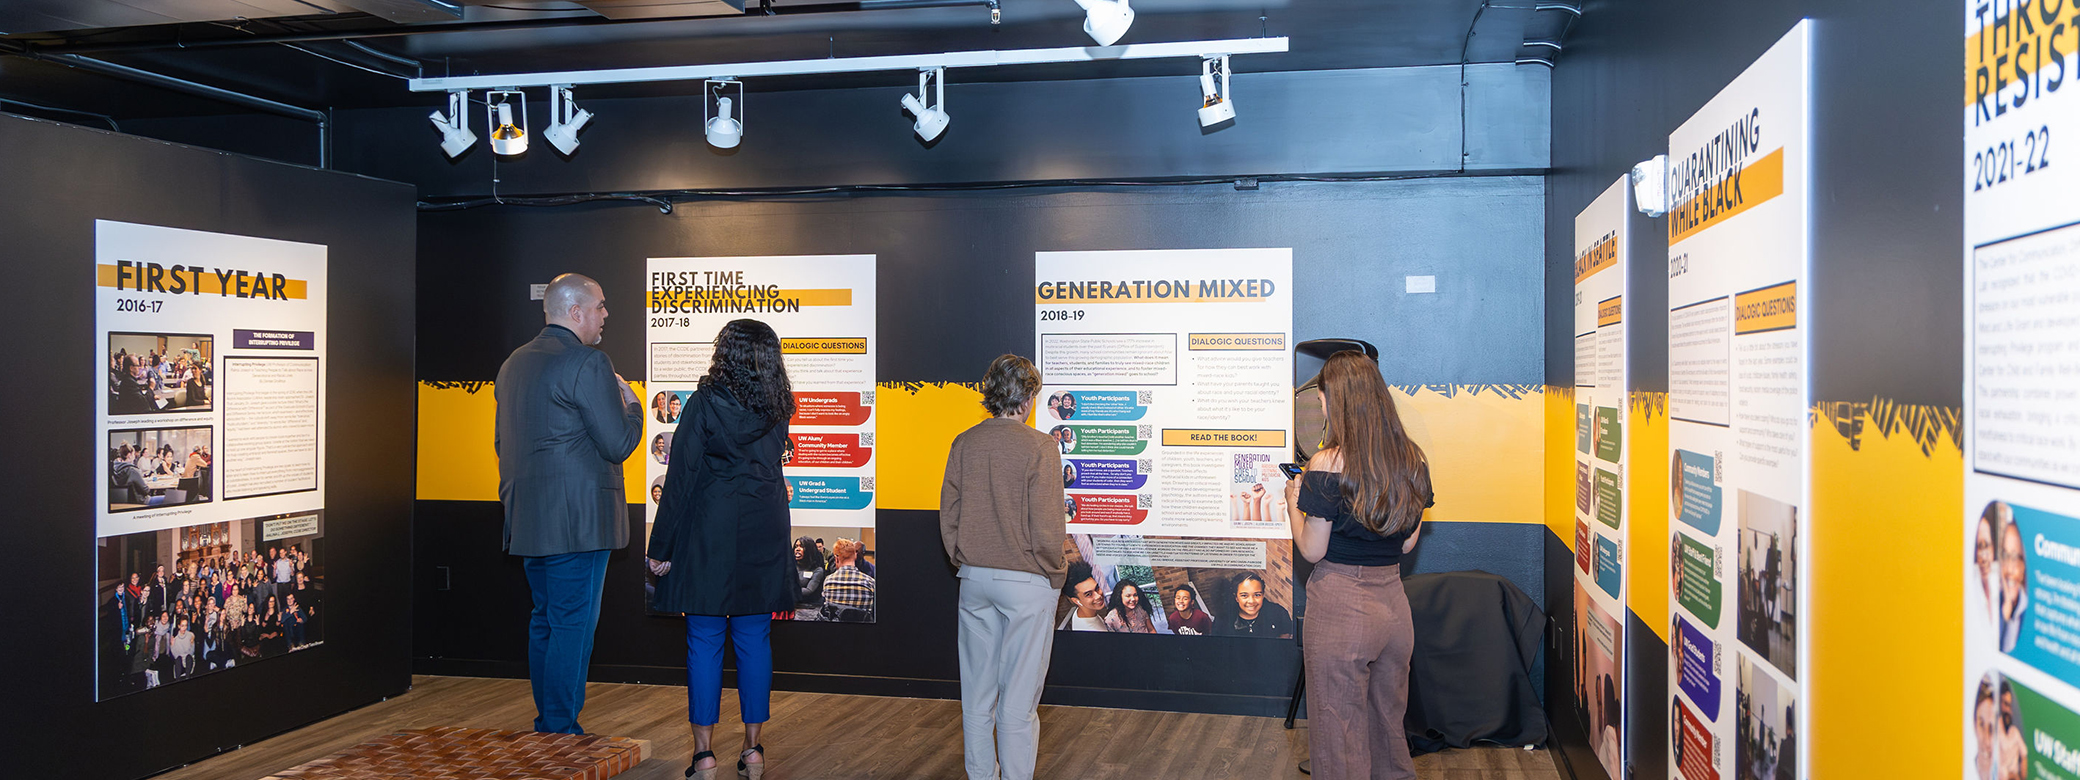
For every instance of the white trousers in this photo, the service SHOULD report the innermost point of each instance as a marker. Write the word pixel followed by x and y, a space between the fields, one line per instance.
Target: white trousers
pixel 1006 638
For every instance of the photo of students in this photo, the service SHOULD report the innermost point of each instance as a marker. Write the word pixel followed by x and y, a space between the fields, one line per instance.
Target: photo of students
pixel 661 407
pixel 1086 600
pixel 2014 601
pixel 1986 730
pixel 787 452
pixel 1768 580
pixel 1765 736
pixel 1069 509
pixel 1068 475
pixel 1254 615
pixel 151 373
pixel 179 603
pixel 1984 591
pixel 1185 615
pixel 161 467
pixel 1061 405
pixel 2012 762
pixel 1108 573
pixel 657 491
pixel 1127 612
pixel 1064 437
pixel 661 448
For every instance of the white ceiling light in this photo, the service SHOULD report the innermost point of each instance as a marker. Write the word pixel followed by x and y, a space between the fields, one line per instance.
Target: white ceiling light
pixel 508 136
pixel 1215 105
pixel 931 120
pixel 1106 20
pixel 722 117
pixel 565 119
pixel 454 126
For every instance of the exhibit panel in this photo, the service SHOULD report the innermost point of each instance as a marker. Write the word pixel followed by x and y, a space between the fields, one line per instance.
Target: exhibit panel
pixel 1167 387
pixel 1738 245
pixel 823 309
pixel 211 511
pixel 1601 458
pixel 2021 529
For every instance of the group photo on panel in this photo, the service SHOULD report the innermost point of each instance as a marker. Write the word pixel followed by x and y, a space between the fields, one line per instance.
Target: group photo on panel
pixel 722 552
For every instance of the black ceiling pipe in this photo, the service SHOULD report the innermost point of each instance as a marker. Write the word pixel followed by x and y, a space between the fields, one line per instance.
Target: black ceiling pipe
pixel 163 81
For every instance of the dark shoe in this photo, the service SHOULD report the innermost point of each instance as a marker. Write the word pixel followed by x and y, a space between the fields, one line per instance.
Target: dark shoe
pixel 748 771
pixel 702 774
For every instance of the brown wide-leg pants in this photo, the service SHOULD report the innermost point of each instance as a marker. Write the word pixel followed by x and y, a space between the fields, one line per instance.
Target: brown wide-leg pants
pixel 1357 646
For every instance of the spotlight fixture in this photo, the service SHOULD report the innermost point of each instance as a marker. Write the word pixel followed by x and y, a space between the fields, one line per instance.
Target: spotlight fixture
pixel 1106 20
pixel 454 126
pixel 1650 186
pixel 508 138
pixel 1215 105
pixel 722 117
pixel 565 119
pixel 931 120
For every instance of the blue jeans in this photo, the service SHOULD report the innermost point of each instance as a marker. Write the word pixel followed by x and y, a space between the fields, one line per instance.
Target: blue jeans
pixel 753 637
pixel 559 635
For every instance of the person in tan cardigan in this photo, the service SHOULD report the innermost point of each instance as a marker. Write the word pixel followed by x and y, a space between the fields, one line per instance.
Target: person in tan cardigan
pixel 1001 520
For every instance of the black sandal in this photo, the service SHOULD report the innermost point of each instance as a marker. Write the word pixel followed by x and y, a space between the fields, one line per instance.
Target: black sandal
pixel 703 774
pixel 749 771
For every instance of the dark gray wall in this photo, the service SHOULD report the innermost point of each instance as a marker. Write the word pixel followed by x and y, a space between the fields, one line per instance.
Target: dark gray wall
pixel 64 178
pixel 955 274
pixel 1887 207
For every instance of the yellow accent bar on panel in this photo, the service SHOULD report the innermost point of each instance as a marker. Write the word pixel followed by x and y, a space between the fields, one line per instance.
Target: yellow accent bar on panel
pixel 199 281
pixel 1599 257
pixel 1610 312
pixel 1746 188
pixel 1202 342
pixel 824 346
pixel 747 299
pixel 1763 310
pixel 1212 437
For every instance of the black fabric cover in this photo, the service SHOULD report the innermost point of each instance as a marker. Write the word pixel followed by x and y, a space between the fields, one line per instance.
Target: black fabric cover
pixel 1477 637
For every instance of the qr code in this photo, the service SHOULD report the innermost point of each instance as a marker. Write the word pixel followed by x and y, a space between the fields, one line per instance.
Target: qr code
pixel 866 484
pixel 1144 397
pixel 1144 501
pixel 1718 467
pixel 1143 431
pixel 866 398
pixel 866 439
pixel 1144 466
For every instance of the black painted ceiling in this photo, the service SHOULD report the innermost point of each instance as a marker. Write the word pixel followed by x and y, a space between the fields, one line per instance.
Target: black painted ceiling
pixel 330 56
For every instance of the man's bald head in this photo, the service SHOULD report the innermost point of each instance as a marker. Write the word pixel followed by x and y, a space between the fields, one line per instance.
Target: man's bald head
pixel 576 302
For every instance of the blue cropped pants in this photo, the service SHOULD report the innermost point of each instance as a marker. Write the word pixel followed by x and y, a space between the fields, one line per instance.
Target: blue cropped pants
pixel 752 636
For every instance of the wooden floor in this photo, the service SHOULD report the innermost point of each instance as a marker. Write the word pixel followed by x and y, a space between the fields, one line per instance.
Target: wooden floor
pixel 833 737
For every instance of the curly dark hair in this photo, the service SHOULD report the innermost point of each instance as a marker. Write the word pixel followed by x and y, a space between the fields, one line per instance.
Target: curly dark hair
pixel 1009 383
pixel 748 365
pixel 1117 603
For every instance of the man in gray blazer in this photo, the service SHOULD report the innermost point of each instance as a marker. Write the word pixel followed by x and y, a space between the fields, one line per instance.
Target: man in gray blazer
pixel 566 421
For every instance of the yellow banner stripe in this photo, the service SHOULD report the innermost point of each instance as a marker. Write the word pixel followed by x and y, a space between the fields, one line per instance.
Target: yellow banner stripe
pixel 1207 437
pixel 2015 47
pixel 1751 186
pixel 203 281
pixel 807 297
pixel 1599 257
pixel 1771 308
pixel 1610 312
pixel 824 346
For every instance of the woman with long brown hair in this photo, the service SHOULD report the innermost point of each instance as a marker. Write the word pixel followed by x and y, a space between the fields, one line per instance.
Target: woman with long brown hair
pixel 1355 511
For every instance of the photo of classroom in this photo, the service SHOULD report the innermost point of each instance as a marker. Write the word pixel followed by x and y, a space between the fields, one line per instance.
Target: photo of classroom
pixel 151 373
pixel 157 467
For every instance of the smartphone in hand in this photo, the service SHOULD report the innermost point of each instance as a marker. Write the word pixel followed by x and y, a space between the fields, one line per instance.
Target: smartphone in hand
pixel 1292 470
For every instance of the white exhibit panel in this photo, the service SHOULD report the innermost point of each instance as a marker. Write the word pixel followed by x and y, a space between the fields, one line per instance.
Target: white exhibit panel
pixel 210 499
pixel 823 309
pixel 1168 388
pixel 2021 524
pixel 1739 238
pixel 1601 454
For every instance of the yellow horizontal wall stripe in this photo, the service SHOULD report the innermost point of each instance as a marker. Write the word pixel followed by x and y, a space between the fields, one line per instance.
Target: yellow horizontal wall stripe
pixel 1482 441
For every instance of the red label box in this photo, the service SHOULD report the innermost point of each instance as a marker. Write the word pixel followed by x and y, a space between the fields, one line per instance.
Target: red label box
pixel 1108 509
pixel 829 409
pixel 828 450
